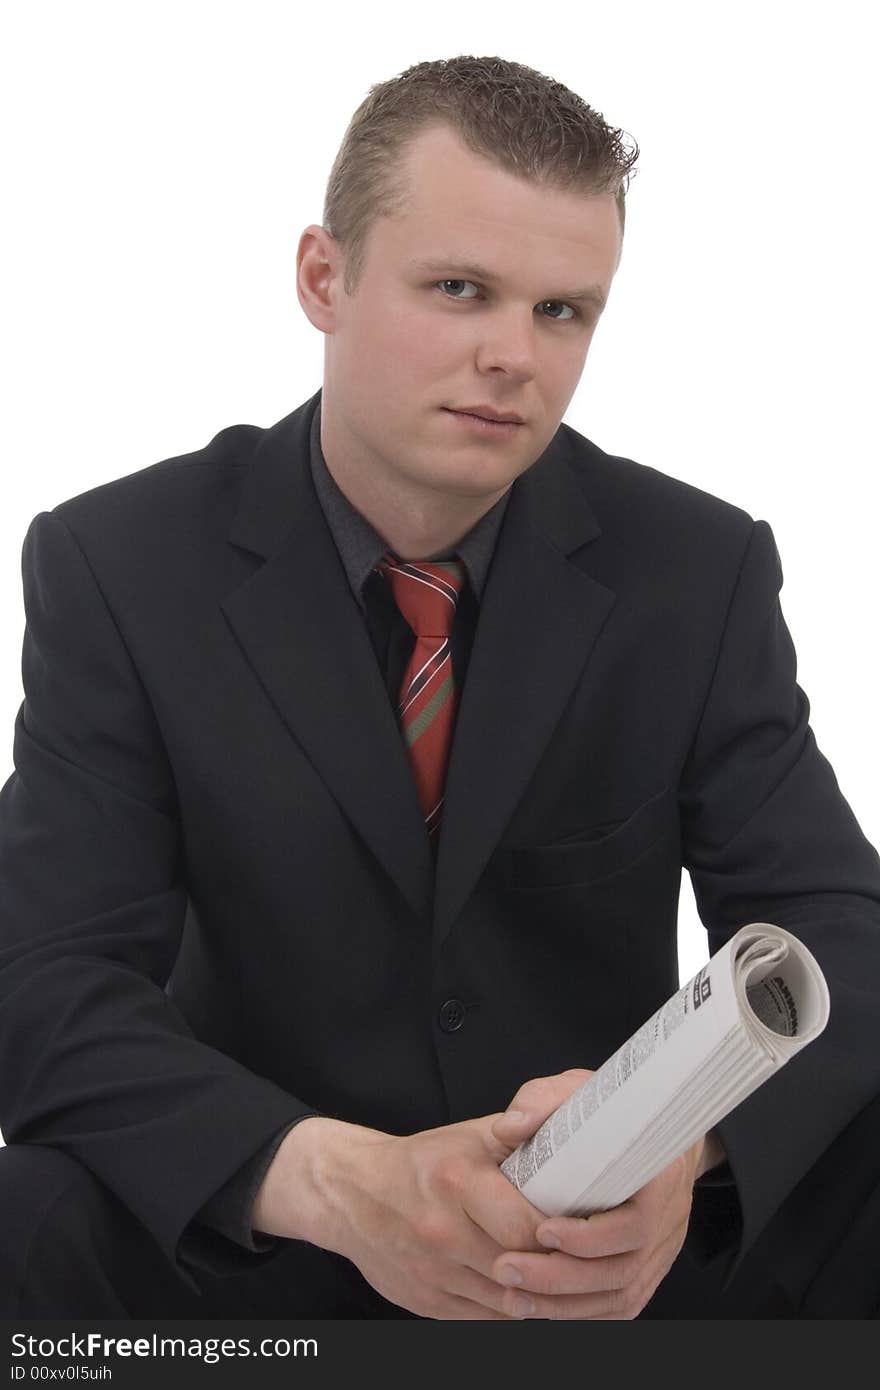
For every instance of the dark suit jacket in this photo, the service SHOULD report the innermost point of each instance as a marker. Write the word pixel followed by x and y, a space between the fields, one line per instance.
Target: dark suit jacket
pixel 219 912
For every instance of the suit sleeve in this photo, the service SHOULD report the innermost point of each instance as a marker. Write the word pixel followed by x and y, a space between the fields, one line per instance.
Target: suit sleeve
pixel 91 916
pixel 229 1209
pixel 715 1226
pixel 768 836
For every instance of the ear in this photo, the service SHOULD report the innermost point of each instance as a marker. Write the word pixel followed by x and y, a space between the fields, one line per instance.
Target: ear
pixel 319 270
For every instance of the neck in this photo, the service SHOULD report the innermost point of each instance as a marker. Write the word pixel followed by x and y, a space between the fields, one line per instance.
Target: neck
pixel 416 522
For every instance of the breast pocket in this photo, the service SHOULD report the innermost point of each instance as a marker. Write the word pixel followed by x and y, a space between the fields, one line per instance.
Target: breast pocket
pixel 597 851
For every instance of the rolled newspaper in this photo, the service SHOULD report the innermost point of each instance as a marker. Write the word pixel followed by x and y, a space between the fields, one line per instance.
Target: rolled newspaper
pixel 757 1001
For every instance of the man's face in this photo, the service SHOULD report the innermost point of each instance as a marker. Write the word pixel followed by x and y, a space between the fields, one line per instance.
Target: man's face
pixel 417 342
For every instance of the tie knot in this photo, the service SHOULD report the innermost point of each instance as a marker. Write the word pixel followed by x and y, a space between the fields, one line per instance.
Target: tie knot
pixel 425 591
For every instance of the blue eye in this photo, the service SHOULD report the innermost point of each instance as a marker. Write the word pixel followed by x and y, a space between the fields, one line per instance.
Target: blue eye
pixel 572 314
pixel 456 282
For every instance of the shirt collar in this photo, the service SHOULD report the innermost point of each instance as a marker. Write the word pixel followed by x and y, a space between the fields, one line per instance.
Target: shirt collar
pixel 361 547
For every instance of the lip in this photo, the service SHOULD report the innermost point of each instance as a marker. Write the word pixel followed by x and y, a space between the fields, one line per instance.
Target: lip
pixel 479 425
pixel 486 412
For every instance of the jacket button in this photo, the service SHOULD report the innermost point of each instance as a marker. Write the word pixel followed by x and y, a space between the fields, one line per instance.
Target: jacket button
pixel 451 1015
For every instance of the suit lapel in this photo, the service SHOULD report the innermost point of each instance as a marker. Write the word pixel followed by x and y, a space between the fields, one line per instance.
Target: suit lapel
pixel 303 632
pixel 539 618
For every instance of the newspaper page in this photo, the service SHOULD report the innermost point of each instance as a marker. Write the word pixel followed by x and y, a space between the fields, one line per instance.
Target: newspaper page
pixel 756 1002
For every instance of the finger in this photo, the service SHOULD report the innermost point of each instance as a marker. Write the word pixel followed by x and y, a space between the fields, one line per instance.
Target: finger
pixel 461 1270
pixel 441 1259
pixel 502 1213
pixel 537 1099
pixel 460 1298
pixel 499 1143
pixel 457 1258
pixel 465 1310
pixel 564 1274
pixel 649 1214
pixel 489 1296
pixel 622 1301
pixel 640 1293
pixel 644 1221
pixel 613 1232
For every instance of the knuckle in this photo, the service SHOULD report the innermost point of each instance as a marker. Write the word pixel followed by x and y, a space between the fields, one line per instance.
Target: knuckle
pixel 521 1235
pixel 530 1093
pixel 419 1281
pixel 432 1229
pixel 448 1174
pixel 517 1228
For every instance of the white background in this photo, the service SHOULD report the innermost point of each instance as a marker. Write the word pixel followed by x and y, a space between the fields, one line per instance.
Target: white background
pixel 160 161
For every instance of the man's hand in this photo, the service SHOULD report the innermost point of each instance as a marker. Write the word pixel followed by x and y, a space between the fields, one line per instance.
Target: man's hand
pixel 606 1266
pixel 424 1217
pixel 432 1224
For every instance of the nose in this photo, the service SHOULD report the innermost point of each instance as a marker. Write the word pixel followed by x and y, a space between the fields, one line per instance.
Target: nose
pixel 508 344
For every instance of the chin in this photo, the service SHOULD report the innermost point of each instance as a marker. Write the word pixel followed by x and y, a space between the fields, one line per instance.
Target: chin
pixel 472 486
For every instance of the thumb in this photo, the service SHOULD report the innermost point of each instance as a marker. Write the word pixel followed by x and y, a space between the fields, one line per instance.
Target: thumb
pixel 535 1101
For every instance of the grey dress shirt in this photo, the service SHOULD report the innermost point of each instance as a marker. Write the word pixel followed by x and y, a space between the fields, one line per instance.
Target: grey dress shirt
pixel 716 1217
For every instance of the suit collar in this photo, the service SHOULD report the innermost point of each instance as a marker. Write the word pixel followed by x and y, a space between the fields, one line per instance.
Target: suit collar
pixel 266 510
pixel 332 696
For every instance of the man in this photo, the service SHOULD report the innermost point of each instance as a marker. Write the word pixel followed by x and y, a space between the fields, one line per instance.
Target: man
pixel 358 763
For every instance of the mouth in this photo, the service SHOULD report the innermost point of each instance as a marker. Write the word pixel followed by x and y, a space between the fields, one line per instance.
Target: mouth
pixel 483 424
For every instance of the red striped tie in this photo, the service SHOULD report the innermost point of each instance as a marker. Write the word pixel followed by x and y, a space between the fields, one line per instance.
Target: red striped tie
pixel 426 592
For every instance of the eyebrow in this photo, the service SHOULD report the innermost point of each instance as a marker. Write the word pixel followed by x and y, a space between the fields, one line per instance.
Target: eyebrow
pixel 591 293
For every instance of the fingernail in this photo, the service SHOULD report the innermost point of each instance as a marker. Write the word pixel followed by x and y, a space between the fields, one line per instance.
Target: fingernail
pixel 550 1240
pixel 517 1116
pixel 510 1275
pixel 523 1307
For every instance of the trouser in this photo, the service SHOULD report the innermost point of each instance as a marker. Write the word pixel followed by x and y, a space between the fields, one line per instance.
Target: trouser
pixel 70 1249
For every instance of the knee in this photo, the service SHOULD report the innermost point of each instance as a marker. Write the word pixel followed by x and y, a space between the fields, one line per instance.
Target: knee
pixel 822 1242
pixel 847 1284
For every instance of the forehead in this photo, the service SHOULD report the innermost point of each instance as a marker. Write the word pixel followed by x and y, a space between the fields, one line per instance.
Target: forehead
pixel 462 204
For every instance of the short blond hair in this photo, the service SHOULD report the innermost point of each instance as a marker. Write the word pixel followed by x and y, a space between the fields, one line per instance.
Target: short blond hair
pixel 524 122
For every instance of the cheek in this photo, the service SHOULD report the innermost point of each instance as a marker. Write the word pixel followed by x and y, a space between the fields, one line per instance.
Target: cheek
pixel 394 347
pixel 423 340
pixel 418 331
pixel 567 366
